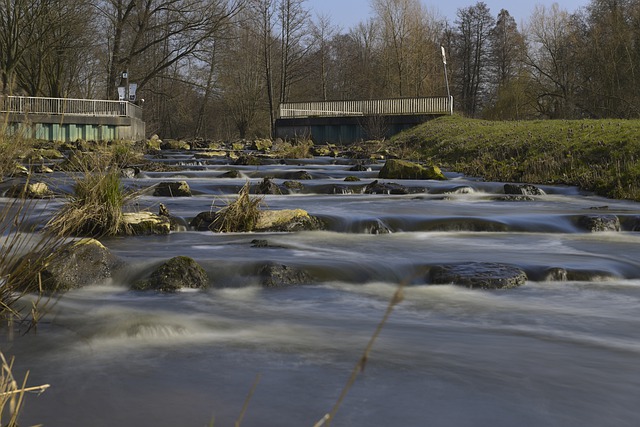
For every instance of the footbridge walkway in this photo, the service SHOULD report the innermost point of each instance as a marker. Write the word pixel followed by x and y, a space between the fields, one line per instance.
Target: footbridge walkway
pixel 351 121
pixel 68 119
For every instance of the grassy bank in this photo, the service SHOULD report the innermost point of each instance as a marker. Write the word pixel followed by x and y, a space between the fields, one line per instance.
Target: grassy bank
pixel 597 155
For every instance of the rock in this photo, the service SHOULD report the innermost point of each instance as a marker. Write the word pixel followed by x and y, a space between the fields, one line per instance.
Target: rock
pixel 34 190
pixel 152 144
pixel 359 168
pixel 523 189
pixel 172 189
pixel 377 187
pixel 287 220
pixel 85 262
pixel 145 223
pixel 41 169
pixel 402 169
pixel 514 198
pixel 173 144
pixel 248 161
pixel 210 154
pixel 599 223
pixel 230 174
pixel 299 175
pixel 274 275
pixel 203 221
pixel 293 185
pixel 175 274
pixel 129 173
pixel 351 178
pixel 267 186
pixel 262 145
pixel 478 275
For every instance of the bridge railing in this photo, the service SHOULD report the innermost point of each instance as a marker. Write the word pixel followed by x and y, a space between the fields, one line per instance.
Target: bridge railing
pixel 68 106
pixel 396 106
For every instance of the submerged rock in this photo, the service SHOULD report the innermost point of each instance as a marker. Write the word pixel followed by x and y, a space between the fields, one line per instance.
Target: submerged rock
pixel 175 274
pixel 523 189
pixel 267 186
pixel 203 221
pixel 377 187
pixel 233 173
pixel 477 275
pixel 85 262
pixel 172 189
pixel 599 223
pixel 402 169
pixel 299 175
pixel 274 275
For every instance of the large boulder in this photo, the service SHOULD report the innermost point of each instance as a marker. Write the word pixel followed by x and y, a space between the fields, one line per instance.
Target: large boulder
pixel 478 275
pixel 275 275
pixel 175 274
pixel 82 263
pixel 402 169
pixel 298 175
pixel 172 189
pixel 286 220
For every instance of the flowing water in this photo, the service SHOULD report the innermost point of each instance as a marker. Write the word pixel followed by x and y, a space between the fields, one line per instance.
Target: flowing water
pixel 549 353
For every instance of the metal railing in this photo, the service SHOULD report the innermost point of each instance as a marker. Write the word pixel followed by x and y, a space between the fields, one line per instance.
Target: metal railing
pixel 385 107
pixel 68 106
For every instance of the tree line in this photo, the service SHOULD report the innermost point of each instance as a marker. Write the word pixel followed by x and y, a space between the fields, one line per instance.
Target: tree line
pixel 221 68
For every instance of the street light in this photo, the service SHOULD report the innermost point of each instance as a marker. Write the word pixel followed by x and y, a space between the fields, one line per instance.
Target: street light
pixel 446 77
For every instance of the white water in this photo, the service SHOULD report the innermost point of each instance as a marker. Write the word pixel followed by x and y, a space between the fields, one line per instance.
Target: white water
pixel 545 354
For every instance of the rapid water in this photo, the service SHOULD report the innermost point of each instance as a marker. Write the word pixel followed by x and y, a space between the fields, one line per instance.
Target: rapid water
pixel 549 353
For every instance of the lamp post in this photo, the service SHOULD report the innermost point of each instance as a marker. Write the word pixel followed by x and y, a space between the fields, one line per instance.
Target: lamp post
pixel 446 77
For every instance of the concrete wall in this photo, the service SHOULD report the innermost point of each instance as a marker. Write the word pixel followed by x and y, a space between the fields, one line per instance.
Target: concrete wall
pixel 346 130
pixel 71 128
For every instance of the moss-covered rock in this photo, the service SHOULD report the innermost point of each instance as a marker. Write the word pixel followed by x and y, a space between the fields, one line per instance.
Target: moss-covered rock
pixel 145 223
pixel 175 274
pixel 210 154
pixel 174 144
pixel 85 262
pixel 32 190
pixel 172 189
pixel 599 223
pixel 262 145
pixel 287 220
pixel 274 275
pixel 402 169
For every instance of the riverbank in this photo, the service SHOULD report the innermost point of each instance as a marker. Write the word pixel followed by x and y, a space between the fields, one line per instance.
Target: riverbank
pixel 596 155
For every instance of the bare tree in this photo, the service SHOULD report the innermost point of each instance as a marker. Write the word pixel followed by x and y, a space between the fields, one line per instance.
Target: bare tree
pixel 471 44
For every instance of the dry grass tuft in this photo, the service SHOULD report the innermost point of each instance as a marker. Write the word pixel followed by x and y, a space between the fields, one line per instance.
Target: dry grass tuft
pixel 240 215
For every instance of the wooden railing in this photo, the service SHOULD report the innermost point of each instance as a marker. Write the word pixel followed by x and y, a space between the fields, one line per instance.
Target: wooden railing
pixel 68 106
pixel 374 107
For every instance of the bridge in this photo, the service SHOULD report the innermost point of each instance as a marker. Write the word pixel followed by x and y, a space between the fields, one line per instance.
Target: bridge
pixel 68 119
pixel 351 121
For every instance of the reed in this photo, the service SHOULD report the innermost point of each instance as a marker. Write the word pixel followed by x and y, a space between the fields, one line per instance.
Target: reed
pixel 12 393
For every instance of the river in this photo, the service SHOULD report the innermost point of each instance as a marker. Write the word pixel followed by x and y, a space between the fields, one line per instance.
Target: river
pixel 548 353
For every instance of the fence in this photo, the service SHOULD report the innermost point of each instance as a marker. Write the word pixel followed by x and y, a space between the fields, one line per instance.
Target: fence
pixel 68 106
pixel 383 107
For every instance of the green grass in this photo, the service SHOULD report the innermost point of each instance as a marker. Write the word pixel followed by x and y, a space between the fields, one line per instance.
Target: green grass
pixel 596 155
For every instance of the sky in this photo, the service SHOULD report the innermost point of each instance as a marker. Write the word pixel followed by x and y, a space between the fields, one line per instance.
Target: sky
pixel 348 13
